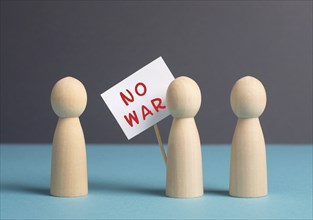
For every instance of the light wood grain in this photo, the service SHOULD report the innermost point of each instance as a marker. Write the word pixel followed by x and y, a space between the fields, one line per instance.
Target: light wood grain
pixel 248 171
pixel 158 135
pixel 184 161
pixel 68 164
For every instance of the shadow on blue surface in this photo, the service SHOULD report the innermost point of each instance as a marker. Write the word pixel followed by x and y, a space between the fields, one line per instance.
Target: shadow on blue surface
pixel 26 189
pixel 217 192
pixel 105 187
pixel 122 188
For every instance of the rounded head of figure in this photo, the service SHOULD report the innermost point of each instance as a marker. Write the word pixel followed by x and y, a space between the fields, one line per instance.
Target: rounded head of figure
pixel 183 97
pixel 68 98
pixel 248 98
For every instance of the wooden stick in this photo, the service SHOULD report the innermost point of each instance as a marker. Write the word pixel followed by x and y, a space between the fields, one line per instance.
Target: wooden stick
pixel 157 133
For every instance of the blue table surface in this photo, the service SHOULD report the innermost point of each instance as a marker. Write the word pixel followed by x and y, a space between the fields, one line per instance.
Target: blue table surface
pixel 128 181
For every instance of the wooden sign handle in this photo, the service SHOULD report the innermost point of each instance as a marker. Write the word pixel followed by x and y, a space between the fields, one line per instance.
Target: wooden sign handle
pixel 157 133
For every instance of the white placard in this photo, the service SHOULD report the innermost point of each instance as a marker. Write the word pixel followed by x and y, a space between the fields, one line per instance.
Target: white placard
pixel 139 101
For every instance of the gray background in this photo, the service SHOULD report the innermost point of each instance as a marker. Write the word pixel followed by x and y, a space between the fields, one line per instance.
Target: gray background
pixel 102 42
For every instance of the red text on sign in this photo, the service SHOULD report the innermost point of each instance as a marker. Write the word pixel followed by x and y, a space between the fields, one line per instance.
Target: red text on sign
pixel 155 105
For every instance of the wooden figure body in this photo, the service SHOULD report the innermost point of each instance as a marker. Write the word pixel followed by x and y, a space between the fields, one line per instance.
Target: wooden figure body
pixel 68 165
pixel 184 161
pixel 248 175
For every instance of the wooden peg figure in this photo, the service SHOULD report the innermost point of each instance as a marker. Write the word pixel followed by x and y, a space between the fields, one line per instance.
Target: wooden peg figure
pixel 248 175
pixel 69 165
pixel 184 161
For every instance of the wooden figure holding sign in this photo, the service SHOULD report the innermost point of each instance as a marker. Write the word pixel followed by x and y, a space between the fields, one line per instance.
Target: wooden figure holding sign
pixel 184 161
